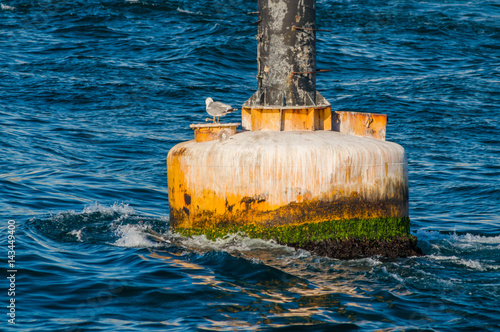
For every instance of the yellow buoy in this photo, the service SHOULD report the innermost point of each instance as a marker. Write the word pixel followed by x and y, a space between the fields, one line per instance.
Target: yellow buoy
pixel 298 173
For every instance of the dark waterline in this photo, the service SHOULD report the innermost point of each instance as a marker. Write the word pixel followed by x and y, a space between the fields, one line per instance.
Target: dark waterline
pixel 94 94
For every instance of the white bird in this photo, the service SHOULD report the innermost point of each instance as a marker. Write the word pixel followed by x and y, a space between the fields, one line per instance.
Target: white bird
pixel 218 109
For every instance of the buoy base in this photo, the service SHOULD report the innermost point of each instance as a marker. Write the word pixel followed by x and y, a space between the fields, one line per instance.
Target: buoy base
pixel 298 234
pixel 356 248
pixel 342 239
pixel 299 188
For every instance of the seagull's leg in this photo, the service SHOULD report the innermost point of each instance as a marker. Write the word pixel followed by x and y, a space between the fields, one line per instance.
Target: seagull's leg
pixel 214 119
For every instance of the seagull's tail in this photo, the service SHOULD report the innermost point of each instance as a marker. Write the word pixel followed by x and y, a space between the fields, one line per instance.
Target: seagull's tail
pixel 232 110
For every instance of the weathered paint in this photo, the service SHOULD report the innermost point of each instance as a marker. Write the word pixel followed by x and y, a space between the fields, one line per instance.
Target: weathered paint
pixel 210 132
pixel 283 50
pixel 269 179
pixel 283 119
pixel 272 118
pixel 360 124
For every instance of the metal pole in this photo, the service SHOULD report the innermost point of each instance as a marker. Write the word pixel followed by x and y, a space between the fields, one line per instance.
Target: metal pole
pixel 286 53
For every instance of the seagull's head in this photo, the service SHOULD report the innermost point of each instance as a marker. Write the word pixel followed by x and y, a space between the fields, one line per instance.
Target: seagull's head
pixel 208 101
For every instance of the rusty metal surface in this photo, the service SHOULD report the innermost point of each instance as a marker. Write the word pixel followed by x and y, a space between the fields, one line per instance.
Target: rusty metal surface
pixel 283 119
pixel 211 132
pixel 274 178
pixel 360 124
pixel 283 49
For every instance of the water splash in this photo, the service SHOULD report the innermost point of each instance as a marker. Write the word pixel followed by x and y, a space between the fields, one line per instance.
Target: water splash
pixel 185 11
pixel 468 263
pixel 231 243
pixel 6 7
pixel 77 234
pixel 462 242
pixel 133 236
pixel 117 208
pixel 117 224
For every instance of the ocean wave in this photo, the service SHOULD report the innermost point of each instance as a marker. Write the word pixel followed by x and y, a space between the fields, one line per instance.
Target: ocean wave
pixel 122 210
pixel 116 224
pixel 468 263
pixel 6 7
pixel 465 241
pixel 185 11
pixel 133 236
pixel 120 225
pixel 393 275
pixel 235 242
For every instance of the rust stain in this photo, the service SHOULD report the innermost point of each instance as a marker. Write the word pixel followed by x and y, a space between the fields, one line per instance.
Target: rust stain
pixel 269 179
pixel 295 213
pixel 283 119
pixel 360 124
pixel 187 199
pixel 212 132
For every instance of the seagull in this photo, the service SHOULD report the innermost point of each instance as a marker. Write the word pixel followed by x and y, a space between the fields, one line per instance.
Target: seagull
pixel 218 109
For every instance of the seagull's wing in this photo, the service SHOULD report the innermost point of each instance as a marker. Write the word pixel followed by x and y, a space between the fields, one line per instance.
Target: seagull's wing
pixel 218 109
pixel 222 106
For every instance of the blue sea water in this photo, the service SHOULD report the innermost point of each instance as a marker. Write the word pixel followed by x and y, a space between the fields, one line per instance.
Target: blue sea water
pixel 93 94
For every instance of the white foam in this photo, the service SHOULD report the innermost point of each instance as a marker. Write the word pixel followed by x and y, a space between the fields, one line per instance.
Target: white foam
pixel 120 208
pixel 368 261
pixel 472 264
pixel 6 7
pixel 469 263
pixel 236 242
pixel 461 241
pixel 188 11
pixel 395 276
pixel 132 236
pixel 256 260
pixel 301 253
pixel 470 238
pixel 78 234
